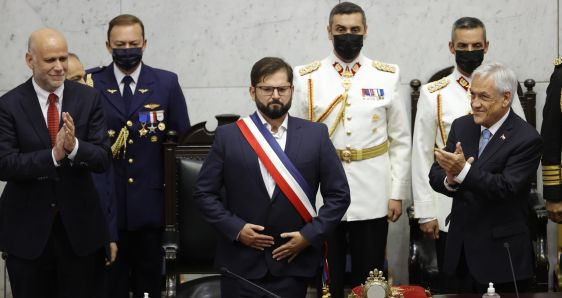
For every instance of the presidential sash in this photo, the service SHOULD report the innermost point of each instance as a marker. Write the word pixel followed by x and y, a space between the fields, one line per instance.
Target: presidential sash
pixel 282 170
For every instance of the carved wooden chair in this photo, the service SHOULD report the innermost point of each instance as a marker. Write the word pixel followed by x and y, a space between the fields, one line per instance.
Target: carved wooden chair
pixel 422 260
pixel 189 242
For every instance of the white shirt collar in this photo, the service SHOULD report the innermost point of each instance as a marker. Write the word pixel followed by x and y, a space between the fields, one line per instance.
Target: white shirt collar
pixel 280 131
pixel 457 74
pixel 494 128
pixel 119 75
pixel 335 58
pixel 43 94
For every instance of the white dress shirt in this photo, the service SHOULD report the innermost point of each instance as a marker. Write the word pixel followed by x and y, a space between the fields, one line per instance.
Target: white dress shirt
pixel 119 75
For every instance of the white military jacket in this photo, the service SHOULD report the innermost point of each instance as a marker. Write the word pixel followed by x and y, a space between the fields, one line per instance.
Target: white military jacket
pixel 439 104
pixel 372 114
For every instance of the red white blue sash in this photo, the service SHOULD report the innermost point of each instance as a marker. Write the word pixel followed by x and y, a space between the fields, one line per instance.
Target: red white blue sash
pixel 288 178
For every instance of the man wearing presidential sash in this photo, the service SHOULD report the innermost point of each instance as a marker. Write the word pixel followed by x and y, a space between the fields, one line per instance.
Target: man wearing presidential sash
pixel 358 100
pixel 271 166
pixel 439 104
pixel 141 105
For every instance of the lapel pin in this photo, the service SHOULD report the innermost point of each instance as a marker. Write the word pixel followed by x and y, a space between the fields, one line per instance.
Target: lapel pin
pixel 143 91
pixel 111 90
pixel 502 137
pixel 151 106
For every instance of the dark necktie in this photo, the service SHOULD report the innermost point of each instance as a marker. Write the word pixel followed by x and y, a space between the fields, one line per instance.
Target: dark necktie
pixel 127 93
pixel 53 118
pixel 486 134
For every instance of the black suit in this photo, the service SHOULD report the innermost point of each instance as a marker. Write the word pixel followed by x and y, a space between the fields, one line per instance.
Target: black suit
pixel 490 207
pixel 41 201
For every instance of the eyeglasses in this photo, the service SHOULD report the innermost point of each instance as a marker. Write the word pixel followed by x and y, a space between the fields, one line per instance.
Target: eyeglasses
pixel 268 90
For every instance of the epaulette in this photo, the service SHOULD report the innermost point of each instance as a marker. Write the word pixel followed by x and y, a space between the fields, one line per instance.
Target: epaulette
pixel 95 69
pixel 89 80
pixel 384 67
pixel 557 61
pixel 311 67
pixel 438 85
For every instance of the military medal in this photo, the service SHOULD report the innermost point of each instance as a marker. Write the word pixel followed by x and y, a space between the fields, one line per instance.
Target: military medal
pixel 143 118
pixel 160 118
pixel 152 128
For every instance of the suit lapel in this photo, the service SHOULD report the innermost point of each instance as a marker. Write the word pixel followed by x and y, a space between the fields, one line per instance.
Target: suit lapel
pixel 32 109
pixel 69 101
pixel 498 139
pixel 252 164
pixel 110 89
pixel 143 91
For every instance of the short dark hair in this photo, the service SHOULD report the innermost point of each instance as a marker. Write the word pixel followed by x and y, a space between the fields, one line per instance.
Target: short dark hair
pixel 268 66
pixel 123 20
pixel 467 23
pixel 347 8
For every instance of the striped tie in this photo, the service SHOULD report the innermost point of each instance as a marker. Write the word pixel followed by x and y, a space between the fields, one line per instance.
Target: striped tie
pixel 53 118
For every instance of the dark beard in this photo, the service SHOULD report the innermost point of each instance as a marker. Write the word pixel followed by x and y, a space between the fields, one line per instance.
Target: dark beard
pixel 273 112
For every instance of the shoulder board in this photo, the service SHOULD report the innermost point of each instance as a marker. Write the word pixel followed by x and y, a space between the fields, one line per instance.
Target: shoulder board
pixel 89 80
pixel 384 67
pixel 311 67
pixel 95 69
pixel 438 85
pixel 557 61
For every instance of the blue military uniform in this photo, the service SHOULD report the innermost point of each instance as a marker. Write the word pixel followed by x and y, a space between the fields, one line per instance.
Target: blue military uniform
pixel 137 133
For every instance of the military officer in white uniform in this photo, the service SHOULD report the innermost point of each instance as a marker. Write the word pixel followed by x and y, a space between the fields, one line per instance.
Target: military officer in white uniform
pixel 439 104
pixel 358 99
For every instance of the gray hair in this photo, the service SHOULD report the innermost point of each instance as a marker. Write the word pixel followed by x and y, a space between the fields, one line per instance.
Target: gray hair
pixel 467 23
pixel 504 78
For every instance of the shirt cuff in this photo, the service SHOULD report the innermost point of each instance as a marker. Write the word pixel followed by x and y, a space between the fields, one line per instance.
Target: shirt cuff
pixel 55 162
pixel 426 220
pixel 72 154
pixel 447 186
pixel 460 177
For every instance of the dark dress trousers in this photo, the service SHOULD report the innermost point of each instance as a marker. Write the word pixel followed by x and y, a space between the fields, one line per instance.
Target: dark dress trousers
pixel 490 207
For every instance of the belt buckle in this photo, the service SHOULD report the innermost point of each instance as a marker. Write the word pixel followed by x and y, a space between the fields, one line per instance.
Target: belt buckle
pixel 346 155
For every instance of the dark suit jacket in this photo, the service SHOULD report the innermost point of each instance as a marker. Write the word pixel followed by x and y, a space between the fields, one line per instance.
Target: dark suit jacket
pixel 141 203
pixel 35 188
pixel 490 207
pixel 233 164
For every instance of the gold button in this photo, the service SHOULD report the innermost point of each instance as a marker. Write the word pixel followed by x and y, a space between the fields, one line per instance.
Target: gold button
pixel 348 118
pixel 348 132
pixel 131 141
pixel 131 180
pixel 348 103
pixel 375 129
pixel 348 146
pixel 130 160
pixel 129 123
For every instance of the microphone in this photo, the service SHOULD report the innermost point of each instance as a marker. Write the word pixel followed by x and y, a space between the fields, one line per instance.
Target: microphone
pixel 506 245
pixel 224 270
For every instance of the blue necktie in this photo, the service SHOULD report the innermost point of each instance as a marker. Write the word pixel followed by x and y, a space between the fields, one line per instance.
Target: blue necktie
pixel 127 92
pixel 486 134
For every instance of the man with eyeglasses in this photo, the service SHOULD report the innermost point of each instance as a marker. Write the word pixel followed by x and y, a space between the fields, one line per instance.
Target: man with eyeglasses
pixel 486 168
pixel 141 105
pixel 271 166
pixel 439 104
pixel 358 100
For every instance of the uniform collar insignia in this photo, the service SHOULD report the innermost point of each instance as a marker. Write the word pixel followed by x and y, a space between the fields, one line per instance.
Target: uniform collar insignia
pixel 340 69
pixel 143 91
pixel 463 82
pixel 111 90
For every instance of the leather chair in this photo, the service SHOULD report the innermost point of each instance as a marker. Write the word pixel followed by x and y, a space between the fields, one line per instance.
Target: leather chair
pixel 189 241
pixel 422 259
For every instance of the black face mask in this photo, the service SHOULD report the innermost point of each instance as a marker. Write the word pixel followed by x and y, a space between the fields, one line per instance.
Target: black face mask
pixel 468 61
pixel 348 46
pixel 127 59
